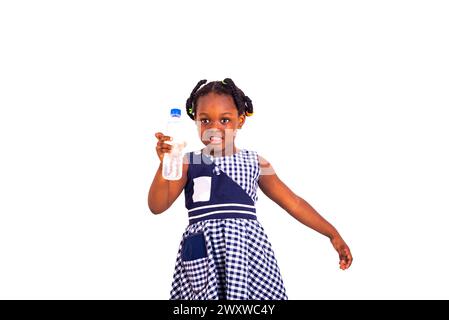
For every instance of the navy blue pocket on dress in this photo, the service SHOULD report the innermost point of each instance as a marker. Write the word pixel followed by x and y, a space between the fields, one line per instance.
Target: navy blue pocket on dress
pixel 194 247
pixel 195 261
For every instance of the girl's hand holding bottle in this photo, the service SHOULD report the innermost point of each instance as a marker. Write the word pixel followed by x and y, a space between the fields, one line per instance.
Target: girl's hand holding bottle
pixel 161 146
pixel 170 153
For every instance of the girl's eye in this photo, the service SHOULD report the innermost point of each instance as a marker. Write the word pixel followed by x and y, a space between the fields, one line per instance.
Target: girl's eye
pixel 223 121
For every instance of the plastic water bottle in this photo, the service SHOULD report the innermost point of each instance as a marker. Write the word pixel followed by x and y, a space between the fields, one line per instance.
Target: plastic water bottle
pixel 172 161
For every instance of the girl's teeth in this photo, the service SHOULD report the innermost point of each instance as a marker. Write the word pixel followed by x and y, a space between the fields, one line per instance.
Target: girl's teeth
pixel 215 139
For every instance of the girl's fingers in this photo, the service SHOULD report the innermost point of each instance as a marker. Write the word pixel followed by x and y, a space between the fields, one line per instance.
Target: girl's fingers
pixel 345 259
pixel 341 256
pixel 161 137
pixel 163 149
pixel 344 264
pixel 164 138
pixel 160 144
pixel 349 259
pixel 348 254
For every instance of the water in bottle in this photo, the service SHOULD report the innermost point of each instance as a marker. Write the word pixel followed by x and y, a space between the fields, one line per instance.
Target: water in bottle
pixel 172 161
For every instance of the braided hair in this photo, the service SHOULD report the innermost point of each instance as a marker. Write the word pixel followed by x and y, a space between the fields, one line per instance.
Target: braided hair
pixel 227 86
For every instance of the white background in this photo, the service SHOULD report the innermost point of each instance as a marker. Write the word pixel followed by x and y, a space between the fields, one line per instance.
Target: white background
pixel 351 108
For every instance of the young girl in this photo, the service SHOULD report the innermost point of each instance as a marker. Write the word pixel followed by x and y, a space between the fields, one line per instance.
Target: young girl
pixel 224 252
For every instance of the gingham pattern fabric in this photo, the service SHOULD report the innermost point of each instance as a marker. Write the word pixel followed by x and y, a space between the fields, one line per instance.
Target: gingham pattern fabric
pixel 196 271
pixel 240 264
pixel 243 168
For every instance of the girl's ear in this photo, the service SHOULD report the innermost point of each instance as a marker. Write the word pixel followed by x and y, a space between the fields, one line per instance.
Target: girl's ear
pixel 241 121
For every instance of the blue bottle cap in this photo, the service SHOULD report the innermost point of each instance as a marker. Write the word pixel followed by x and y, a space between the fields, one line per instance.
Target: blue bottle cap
pixel 175 112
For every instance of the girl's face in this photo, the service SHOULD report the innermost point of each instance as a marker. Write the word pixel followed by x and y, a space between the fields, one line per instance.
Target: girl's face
pixel 217 121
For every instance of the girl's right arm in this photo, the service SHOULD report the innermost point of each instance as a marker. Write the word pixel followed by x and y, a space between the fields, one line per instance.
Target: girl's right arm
pixel 164 192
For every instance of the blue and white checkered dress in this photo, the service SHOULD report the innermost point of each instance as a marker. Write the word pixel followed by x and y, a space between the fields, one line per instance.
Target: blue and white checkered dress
pixel 224 252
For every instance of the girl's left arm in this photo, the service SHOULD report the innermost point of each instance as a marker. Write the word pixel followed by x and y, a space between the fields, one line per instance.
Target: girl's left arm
pixel 301 210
